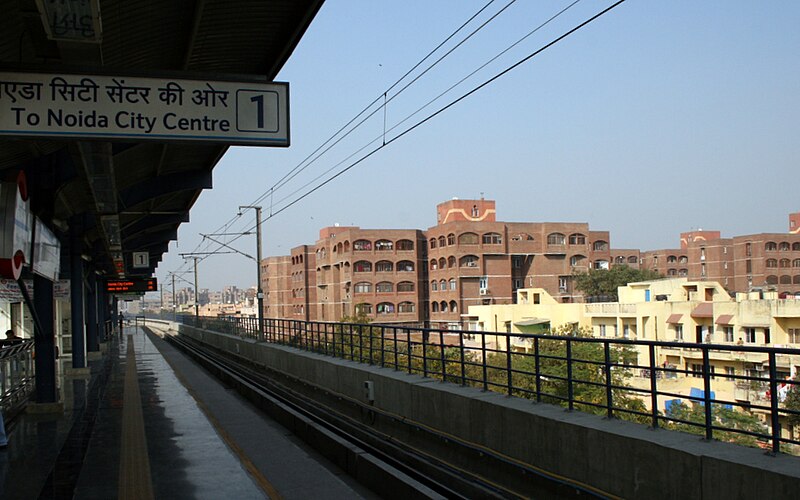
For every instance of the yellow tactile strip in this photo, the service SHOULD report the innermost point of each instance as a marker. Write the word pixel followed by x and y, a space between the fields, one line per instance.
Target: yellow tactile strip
pixel 134 465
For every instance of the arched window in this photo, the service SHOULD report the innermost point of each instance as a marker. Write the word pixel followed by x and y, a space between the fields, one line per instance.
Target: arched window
pixel 384 266
pixel 577 239
pixel 453 306
pixel 405 286
pixel 362 266
pixel 522 237
pixel 772 280
pixel 384 287
pixel 555 239
pixel 784 246
pixel 772 263
pixel 785 263
pixel 786 279
pixel 492 239
pixel 633 260
pixel 432 243
pixel 405 245
pixel 434 286
pixel 361 245
pixel 576 260
pixel 619 259
pixel 384 245
pixel 442 263
pixel 363 308
pixel 672 272
pixel 442 241
pixel 671 259
pixel 683 259
pixel 442 285
pixel 468 239
pixel 434 265
pixel 796 247
pixel 405 266
pixel 452 283
pixel 796 263
pixel 771 246
pixel 451 239
pixel 346 245
pixel 469 261
pixel 796 281
pixel 385 308
pixel 405 307
pixel 683 272
pixel 434 306
pixel 600 246
pixel 362 287
pixel 451 261
pixel 443 306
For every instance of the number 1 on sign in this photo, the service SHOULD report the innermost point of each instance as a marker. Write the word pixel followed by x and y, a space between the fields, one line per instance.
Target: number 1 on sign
pixel 259 100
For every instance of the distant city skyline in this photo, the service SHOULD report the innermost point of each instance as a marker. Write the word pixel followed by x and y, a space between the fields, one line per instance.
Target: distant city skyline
pixel 656 119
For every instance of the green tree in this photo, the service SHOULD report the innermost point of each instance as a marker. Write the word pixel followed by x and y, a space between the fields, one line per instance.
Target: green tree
pixel 792 402
pixel 721 417
pixel 606 281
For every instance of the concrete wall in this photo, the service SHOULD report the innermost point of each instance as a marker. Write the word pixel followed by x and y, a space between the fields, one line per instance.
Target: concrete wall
pixel 616 457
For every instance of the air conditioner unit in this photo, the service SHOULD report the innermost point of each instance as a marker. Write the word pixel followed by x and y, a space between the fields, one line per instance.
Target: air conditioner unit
pixel 484 291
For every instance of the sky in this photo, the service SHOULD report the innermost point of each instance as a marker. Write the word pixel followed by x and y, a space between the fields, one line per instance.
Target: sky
pixel 656 118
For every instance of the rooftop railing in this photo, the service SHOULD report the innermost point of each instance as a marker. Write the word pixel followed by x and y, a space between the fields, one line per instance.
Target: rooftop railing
pixel 613 377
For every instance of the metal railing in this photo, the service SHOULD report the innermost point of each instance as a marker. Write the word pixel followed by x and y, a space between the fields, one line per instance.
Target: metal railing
pixel 16 374
pixel 584 373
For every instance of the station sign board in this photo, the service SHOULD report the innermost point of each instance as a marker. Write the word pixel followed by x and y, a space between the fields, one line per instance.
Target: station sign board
pixel 84 106
pixel 132 285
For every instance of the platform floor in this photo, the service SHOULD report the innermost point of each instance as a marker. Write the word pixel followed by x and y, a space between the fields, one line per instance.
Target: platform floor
pixel 149 423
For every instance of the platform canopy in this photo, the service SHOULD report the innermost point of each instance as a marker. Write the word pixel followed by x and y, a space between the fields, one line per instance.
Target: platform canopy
pixel 125 197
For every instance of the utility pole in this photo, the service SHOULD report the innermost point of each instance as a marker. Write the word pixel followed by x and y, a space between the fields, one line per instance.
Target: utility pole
pixel 196 292
pixel 259 290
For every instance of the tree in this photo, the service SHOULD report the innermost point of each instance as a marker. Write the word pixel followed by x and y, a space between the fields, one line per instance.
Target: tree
pixel 721 417
pixel 606 281
pixel 792 403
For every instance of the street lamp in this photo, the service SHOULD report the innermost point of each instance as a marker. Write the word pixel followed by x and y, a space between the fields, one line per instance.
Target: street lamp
pixel 259 292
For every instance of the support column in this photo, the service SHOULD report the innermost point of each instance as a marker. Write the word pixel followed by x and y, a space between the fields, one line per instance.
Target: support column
pixel 102 313
pixel 92 344
pixel 76 300
pixel 44 341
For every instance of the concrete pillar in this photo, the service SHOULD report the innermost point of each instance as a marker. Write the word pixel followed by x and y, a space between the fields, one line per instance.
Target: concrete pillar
pixel 92 344
pixel 102 312
pixel 76 299
pixel 44 341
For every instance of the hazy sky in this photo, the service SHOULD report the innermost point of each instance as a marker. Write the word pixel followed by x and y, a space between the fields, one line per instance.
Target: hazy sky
pixel 659 117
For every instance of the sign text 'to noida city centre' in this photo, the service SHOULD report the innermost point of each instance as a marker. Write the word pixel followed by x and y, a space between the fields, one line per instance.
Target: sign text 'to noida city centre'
pixel 252 113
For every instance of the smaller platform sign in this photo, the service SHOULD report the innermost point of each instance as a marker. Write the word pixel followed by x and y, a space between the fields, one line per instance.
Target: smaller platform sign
pixel 132 285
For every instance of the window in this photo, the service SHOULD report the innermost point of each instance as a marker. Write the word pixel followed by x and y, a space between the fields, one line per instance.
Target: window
pixel 728 331
pixel 362 245
pixel 576 260
pixel 633 260
pixel 434 306
pixel 405 245
pixel 562 284
pixel 474 210
pixel 405 286
pixel 577 239
pixel 619 260
pixel 671 259
pixel 601 264
pixel 385 308
pixel 750 335
pixel 434 265
pixel 772 280
pixel 785 263
pixel 451 239
pixel 555 239
pixel 443 285
pixel 748 265
pixel 443 306
pixel 517 283
pixel 468 239
pixel 796 247
pixel 703 269
pixel 434 286
pixel 384 266
pixel 522 237
pixel 730 372
pixel 363 308
pixel 432 243
pixel 770 246
pixel 442 241
pixel 452 283
pixel 602 331
pixel 453 306
pixel 442 263
pixel 405 266
pixel 697 370
pixel 783 246
pixel 492 239
pixel 678 332
pixel 405 307
pixel 469 261
pixel 451 261
pixel 796 263
pixel 772 263
pixel 683 272
pixel 516 261
pixel 384 245
pixel 363 287
pixel 484 282
pixel 672 272
pixel 383 287
pixel 794 335
pixel 362 266
pixel 600 246
pixel 785 280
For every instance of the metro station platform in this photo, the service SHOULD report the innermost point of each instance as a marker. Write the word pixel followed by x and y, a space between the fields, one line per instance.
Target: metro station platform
pixel 149 423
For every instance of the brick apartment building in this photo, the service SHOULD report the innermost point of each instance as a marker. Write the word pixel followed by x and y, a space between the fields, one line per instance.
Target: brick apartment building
pixel 430 277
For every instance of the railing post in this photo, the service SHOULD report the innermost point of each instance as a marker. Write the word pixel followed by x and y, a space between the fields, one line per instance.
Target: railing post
pixel 609 380
pixel 570 389
pixel 425 353
pixel 396 349
pixel 653 386
pixel 441 350
pixel 538 374
pixel 371 351
pixel 383 346
pixel 463 366
pixel 485 369
pixel 707 392
pixel 774 397
pixel 408 347
pixel 508 364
